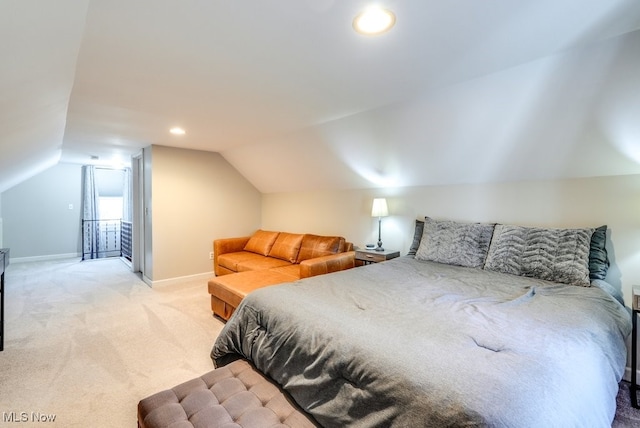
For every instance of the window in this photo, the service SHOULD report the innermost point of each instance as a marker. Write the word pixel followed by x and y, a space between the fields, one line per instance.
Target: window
pixel 110 207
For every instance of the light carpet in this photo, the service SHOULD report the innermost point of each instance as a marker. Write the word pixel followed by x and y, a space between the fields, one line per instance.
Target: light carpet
pixel 85 341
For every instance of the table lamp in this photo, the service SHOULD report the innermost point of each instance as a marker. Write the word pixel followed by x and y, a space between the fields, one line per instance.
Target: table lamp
pixel 379 210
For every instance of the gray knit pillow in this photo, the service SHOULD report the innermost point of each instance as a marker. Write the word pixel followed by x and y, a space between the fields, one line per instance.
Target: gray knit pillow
pixel 450 242
pixel 558 255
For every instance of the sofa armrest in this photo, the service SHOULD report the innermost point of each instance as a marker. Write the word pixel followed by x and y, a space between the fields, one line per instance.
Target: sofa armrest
pixel 327 264
pixel 227 245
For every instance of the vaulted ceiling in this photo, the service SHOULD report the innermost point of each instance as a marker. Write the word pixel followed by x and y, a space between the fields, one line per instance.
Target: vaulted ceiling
pixel 459 91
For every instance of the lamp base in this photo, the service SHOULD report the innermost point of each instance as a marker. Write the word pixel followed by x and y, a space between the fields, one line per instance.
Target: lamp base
pixel 379 247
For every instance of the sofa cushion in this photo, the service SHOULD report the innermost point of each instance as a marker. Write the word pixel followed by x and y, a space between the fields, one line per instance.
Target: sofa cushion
pixel 261 263
pixel 287 246
pixel 231 260
pixel 317 246
pixel 292 270
pixel 261 242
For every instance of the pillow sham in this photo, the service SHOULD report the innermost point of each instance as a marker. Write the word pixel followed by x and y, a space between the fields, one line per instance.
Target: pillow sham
pixel 558 255
pixel 598 256
pixel 417 237
pixel 454 243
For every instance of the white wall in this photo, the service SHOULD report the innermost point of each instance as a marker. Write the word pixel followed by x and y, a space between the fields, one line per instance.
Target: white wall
pixel 573 114
pixel 588 202
pixel 196 197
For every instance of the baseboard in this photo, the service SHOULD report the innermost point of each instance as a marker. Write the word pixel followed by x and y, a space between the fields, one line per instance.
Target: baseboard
pixel 45 258
pixel 177 280
pixel 627 374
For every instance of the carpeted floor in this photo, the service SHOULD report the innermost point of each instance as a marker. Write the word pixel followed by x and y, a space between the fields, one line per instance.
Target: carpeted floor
pixel 626 415
pixel 85 341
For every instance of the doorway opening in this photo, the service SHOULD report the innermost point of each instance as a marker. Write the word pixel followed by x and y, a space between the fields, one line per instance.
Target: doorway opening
pixel 106 222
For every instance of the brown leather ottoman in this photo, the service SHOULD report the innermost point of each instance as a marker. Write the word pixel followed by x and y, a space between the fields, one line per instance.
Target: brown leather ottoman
pixel 236 395
pixel 227 291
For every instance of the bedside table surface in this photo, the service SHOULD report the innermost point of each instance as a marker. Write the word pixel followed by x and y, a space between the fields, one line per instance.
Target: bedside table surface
pixel 387 253
pixel 372 256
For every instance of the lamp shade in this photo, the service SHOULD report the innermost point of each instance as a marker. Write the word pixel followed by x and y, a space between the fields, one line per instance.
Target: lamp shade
pixel 379 208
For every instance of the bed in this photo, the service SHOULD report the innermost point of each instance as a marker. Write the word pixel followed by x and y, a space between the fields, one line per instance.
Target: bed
pixel 468 331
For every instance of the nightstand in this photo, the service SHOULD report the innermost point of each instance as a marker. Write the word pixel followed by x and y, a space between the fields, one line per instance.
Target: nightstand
pixel 634 346
pixel 372 256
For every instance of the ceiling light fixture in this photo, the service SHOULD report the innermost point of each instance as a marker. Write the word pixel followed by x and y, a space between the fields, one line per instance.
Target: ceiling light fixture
pixel 177 131
pixel 373 21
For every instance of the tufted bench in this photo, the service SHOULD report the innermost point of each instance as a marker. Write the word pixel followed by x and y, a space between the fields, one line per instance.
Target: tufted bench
pixel 233 396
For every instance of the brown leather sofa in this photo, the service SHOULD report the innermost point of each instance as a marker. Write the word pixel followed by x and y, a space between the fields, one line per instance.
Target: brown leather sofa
pixel 267 258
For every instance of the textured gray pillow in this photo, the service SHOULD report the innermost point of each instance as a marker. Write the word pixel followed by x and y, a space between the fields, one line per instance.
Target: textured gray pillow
pixel 558 255
pixel 453 243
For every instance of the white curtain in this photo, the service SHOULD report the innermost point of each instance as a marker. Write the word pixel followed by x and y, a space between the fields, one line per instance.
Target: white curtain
pixel 127 217
pixel 127 197
pixel 90 214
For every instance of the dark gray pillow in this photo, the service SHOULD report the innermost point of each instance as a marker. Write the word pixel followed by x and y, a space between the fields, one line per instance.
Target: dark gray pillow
pixel 417 237
pixel 453 243
pixel 558 255
pixel 598 257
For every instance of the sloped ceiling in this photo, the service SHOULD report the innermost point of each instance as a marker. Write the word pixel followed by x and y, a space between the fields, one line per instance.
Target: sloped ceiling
pixel 457 92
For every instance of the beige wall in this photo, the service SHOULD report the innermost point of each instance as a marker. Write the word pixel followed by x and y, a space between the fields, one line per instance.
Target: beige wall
pixel 587 202
pixel 196 197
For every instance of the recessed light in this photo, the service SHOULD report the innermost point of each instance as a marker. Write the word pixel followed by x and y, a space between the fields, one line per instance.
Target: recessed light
pixel 177 131
pixel 374 20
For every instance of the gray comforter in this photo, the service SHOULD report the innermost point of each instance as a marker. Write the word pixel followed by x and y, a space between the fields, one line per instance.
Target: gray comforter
pixel 410 343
